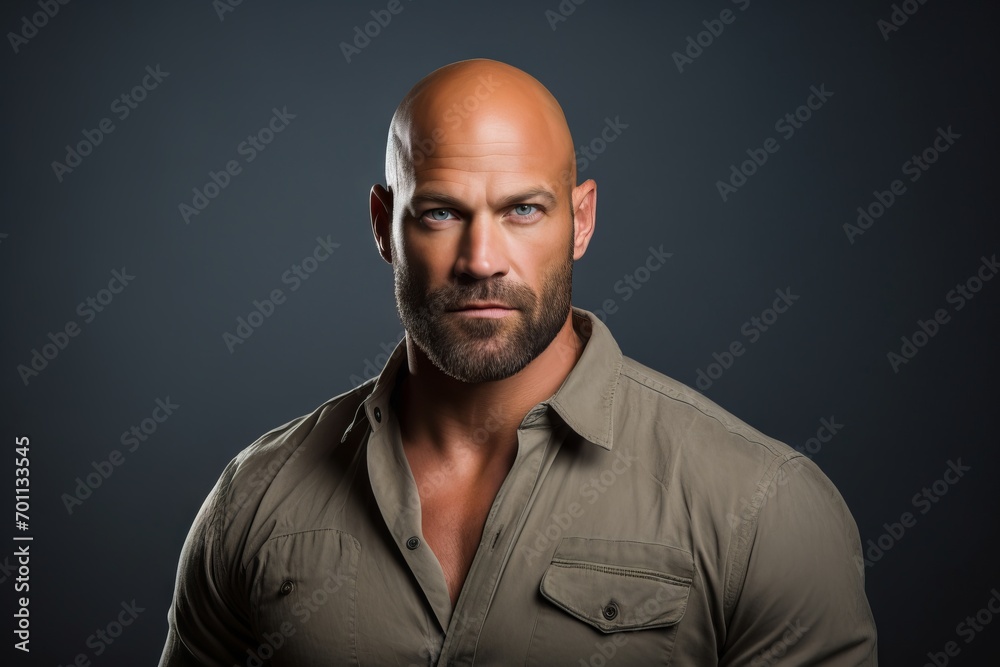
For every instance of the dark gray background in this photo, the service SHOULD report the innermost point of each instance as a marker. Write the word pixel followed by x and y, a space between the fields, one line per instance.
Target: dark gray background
pixel 162 336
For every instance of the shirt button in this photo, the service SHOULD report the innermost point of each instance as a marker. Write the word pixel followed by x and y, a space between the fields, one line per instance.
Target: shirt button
pixel 412 543
pixel 610 611
pixel 286 587
pixel 378 415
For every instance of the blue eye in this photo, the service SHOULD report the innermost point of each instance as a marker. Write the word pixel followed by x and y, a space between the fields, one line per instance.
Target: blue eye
pixel 437 213
pixel 520 209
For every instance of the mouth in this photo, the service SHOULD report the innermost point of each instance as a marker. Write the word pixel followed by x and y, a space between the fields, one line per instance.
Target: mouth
pixel 484 309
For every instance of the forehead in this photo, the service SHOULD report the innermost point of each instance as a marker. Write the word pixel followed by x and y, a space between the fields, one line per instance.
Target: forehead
pixel 486 172
pixel 509 140
pixel 475 171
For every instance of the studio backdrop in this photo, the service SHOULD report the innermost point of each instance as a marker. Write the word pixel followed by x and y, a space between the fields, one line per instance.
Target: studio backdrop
pixel 796 216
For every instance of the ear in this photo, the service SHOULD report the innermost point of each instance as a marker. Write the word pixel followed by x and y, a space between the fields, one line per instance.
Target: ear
pixel 584 216
pixel 381 213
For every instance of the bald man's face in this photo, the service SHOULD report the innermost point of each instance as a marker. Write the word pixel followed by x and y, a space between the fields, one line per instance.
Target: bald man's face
pixel 478 221
pixel 482 235
pixel 483 256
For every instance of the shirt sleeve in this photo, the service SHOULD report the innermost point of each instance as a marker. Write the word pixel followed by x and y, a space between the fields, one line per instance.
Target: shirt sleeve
pixel 803 593
pixel 209 617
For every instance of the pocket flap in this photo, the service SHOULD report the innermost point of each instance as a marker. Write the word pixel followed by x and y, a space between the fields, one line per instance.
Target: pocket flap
pixel 616 585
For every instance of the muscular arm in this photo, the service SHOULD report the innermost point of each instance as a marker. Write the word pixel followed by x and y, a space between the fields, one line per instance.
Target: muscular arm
pixel 802 600
pixel 209 621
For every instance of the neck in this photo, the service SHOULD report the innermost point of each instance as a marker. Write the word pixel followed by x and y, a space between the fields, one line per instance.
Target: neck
pixel 456 419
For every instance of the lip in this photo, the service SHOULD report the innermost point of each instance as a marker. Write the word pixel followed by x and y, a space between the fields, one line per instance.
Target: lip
pixel 484 309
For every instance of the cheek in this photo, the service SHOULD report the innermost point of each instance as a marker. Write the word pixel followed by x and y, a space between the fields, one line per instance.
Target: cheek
pixel 539 261
pixel 534 275
pixel 425 261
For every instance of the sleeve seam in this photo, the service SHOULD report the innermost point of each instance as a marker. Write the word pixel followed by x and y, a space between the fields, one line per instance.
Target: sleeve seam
pixel 740 547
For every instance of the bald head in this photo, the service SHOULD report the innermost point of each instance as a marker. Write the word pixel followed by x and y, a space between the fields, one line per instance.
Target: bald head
pixel 476 109
pixel 482 221
pixel 480 161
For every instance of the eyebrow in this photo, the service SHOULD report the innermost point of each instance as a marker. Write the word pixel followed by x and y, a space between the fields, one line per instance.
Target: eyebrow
pixel 430 196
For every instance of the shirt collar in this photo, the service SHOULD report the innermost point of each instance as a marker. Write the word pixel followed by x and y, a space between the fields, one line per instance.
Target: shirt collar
pixel 376 405
pixel 585 400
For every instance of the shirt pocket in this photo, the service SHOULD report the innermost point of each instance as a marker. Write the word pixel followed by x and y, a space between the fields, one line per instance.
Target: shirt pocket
pixel 610 600
pixel 305 610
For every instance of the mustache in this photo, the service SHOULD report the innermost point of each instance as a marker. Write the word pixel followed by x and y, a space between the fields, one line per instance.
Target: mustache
pixel 511 295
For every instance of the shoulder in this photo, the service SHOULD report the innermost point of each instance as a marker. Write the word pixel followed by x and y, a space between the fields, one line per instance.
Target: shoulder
pixel 212 581
pixel 266 464
pixel 649 399
pixel 742 489
pixel 726 469
pixel 268 453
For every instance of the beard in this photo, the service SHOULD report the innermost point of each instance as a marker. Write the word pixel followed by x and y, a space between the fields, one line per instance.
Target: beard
pixel 484 349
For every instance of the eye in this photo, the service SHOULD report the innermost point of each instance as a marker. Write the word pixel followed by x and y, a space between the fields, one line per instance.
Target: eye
pixel 524 210
pixel 436 214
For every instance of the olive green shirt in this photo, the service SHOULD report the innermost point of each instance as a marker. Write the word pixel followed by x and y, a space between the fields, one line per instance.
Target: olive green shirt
pixel 640 524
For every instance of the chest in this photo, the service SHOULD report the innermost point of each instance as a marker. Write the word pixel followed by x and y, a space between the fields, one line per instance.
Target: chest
pixel 453 515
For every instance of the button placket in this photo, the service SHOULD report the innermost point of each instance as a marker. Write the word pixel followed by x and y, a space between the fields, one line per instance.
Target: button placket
pixel 509 510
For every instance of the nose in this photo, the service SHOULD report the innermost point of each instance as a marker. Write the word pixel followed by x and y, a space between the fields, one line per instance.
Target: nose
pixel 482 251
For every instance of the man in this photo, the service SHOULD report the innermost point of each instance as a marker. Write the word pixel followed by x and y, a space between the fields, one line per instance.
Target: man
pixel 511 489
